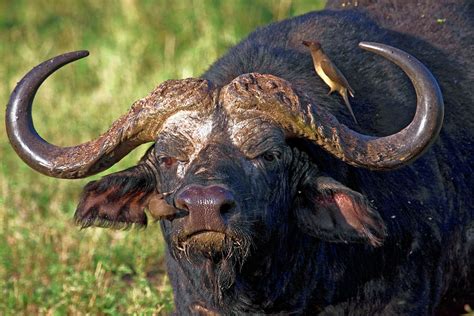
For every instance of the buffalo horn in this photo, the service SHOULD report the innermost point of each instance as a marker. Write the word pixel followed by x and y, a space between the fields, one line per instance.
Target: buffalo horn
pixel 302 118
pixel 138 126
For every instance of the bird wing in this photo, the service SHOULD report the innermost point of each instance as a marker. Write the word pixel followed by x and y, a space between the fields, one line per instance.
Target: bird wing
pixel 335 74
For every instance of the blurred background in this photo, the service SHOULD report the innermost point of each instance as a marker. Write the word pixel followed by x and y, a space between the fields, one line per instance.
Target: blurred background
pixel 47 264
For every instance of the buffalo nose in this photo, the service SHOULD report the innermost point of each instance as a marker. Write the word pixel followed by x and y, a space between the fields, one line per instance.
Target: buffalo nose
pixel 206 201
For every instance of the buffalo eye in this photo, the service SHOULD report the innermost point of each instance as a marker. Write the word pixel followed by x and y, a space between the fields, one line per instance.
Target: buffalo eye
pixel 167 162
pixel 271 156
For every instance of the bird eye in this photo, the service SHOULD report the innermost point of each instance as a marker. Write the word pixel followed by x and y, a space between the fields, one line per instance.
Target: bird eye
pixel 167 161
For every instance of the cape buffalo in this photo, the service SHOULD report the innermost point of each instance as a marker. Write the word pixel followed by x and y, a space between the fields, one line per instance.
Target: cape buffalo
pixel 271 199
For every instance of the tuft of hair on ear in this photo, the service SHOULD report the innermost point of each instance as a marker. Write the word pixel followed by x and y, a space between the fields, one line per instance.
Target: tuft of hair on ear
pixel 116 201
pixel 328 210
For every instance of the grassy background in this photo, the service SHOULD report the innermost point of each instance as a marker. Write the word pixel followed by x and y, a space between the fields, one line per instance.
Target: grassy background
pixel 47 265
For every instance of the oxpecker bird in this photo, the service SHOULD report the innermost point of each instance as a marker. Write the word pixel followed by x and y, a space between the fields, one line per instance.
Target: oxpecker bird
pixel 330 74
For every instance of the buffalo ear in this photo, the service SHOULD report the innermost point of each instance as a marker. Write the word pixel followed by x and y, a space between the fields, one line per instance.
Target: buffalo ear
pixel 117 200
pixel 328 210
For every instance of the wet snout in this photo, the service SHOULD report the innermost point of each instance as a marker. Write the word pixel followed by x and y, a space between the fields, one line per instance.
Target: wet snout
pixel 207 207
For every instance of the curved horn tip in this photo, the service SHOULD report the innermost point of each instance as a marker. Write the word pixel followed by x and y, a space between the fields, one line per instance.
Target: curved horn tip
pixel 374 47
pixel 82 53
pixel 366 44
pixel 63 59
pixel 392 53
pixel 75 55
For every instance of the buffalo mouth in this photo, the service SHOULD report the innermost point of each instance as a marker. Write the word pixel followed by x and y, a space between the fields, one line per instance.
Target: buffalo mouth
pixel 205 241
pixel 209 239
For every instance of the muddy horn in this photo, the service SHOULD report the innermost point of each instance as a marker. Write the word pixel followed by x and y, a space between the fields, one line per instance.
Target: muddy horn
pixel 274 97
pixel 138 126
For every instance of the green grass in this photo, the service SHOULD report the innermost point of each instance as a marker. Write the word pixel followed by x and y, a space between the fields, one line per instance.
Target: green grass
pixel 48 265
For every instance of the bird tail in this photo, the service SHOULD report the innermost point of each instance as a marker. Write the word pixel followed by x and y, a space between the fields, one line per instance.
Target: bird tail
pixel 348 105
pixel 351 91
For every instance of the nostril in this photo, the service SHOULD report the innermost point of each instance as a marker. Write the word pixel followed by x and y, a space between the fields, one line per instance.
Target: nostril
pixel 227 207
pixel 181 204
